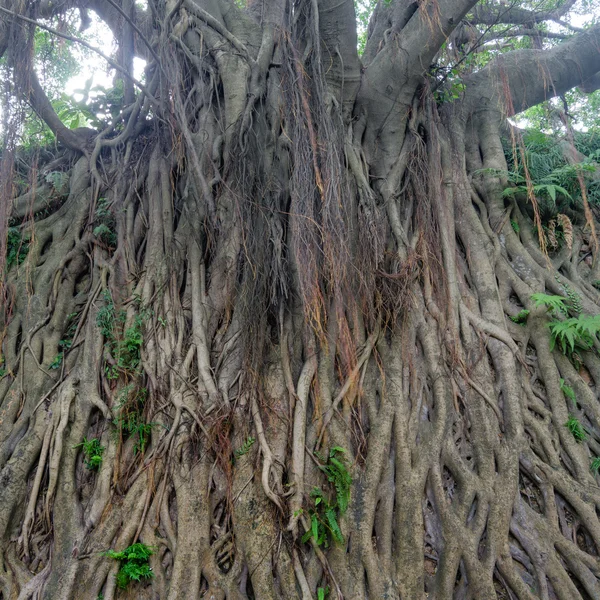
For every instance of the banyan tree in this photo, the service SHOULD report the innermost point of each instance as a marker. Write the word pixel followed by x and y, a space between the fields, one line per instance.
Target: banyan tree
pixel 298 320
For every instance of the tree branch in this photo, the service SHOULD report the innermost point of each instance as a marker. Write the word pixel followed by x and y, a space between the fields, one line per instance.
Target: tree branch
pixel 531 32
pixel 515 15
pixel 591 84
pixel 42 106
pixel 524 78
pixel 137 30
pixel 71 38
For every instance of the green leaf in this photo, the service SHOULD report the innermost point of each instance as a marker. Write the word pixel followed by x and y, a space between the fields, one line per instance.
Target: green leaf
pixel 335 450
pixel 315 527
pixel 567 391
pixel 576 428
pixel 334 527
pixel 307 536
pixel 554 304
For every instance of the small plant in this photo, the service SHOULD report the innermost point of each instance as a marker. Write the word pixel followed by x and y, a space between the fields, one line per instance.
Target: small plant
pixel 123 344
pixel 521 317
pixel 245 448
pixel 547 190
pixel 92 452
pixel 554 304
pixel 133 564
pixel 338 474
pixel 580 332
pixel 323 593
pixel 568 391
pixel 65 343
pixel 106 224
pixel 59 181
pixel 324 515
pixel 576 428
pixel 128 350
pixel 573 296
pixel 17 247
pixel 130 422
pixel 595 465
pixel 56 361
pixel 515 226
pixel 106 317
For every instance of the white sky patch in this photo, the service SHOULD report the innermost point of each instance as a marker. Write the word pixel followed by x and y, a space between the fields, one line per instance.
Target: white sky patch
pixel 94 66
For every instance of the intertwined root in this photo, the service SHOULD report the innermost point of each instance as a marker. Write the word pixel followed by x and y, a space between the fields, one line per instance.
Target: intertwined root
pixel 228 300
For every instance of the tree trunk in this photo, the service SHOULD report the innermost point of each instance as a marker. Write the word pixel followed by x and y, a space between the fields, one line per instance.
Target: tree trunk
pixel 283 268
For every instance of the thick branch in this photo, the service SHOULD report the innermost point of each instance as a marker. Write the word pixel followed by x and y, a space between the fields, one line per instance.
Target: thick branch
pixel 515 15
pixel 591 84
pixel 533 76
pixel 41 104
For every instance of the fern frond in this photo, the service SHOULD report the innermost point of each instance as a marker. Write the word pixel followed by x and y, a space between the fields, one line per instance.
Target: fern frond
pixel 554 304
pixel 334 526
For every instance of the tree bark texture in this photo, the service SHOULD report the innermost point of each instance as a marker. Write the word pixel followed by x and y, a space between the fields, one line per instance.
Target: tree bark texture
pixel 278 250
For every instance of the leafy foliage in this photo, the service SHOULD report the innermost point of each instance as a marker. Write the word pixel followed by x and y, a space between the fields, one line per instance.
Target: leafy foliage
pixel 134 565
pixel 105 224
pixel 576 429
pixel 595 464
pixel 130 420
pixel 123 344
pixel 540 159
pixel 554 304
pixel 323 593
pixel 92 452
pixel 568 391
pixel 574 332
pixel 325 513
pixel 17 247
pixel 338 474
pixel 521 317
pixel 573 296
pixel 57 361
pixel 551 190
pixel 245 448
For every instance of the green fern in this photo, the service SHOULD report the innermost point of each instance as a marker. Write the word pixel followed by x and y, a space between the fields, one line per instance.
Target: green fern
pixel 134 564
pixel 568 391
pixel 326 512
pixel 574 332
pixel 245 448
pixel 338 474
pixel 549 190
pixel 572 295
pixel 576 429
pixel 595 465
pixel 334 527
pixel 554 304
pixel 521 317
pixel 565 334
